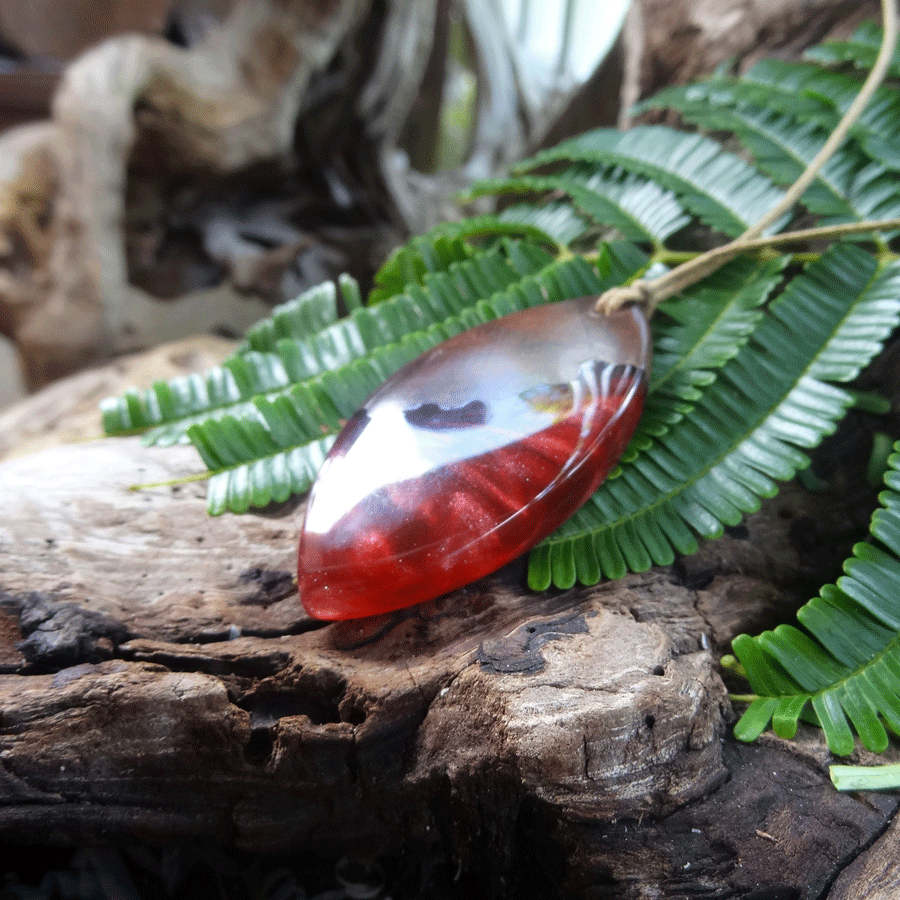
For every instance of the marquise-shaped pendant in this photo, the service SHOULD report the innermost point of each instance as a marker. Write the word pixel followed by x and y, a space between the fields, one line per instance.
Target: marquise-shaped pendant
pixel 470 455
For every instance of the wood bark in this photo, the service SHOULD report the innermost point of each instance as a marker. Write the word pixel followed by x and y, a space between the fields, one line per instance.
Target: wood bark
pixel 161 682
pixel 46 29
pixel 677 41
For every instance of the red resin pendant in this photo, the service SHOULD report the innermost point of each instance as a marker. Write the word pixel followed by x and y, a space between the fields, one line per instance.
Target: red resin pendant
pixel 470 455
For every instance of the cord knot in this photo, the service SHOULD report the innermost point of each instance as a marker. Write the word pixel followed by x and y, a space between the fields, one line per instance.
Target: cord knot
pixel 615 298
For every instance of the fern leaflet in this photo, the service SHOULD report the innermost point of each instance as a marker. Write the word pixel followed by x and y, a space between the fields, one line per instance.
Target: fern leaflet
pixel 744 434
pixel 844 663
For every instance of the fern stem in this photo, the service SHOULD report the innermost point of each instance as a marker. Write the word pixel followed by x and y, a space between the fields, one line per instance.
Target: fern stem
pixel 651 293
pixel 173 482
pixel 823 232
pixel 743 698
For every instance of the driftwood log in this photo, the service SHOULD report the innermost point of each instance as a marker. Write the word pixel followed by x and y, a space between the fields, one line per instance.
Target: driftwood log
pixel 161 683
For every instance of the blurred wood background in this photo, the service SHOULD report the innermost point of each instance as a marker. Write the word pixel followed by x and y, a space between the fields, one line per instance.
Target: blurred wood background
pixel 185 164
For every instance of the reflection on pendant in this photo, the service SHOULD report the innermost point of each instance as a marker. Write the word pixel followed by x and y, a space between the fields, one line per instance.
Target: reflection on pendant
pixel 470 455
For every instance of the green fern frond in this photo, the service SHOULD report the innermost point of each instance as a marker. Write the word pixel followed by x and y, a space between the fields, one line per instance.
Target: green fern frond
pixel 192 398
pixel 784 111
pixel 697 333
pixel 744 434
pixel 636 207
pixel 314 310
pixel 807 93
pixel 409 264
pixel 844 663
pixel 782 149
pixel 448 244
pixel 718 187
pixel 561 221
pixel 284 354
pixel 811 94
pixel 802 92
pixel 860 50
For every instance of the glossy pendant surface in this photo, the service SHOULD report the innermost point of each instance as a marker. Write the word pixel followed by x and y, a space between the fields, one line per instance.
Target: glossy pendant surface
pixel 470 455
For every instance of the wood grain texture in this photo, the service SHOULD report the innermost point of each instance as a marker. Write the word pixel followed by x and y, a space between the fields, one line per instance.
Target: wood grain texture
pixel 873 876
pixel 162 683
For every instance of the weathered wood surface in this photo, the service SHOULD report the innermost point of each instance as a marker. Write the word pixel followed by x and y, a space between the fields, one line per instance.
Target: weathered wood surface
pixel 161 682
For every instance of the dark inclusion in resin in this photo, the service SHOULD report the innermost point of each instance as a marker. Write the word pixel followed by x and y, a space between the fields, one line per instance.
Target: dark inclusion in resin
pixel 470 455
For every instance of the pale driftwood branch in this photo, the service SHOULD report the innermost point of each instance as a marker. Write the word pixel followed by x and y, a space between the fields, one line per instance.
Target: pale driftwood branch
pixel 228 102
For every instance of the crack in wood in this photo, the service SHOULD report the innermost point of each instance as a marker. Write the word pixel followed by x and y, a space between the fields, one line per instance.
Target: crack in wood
pixel 520 651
